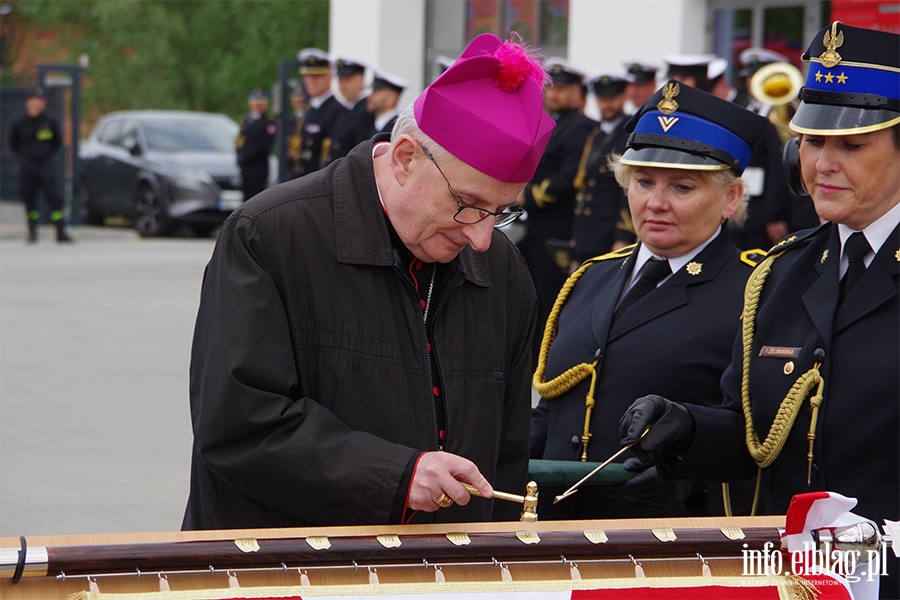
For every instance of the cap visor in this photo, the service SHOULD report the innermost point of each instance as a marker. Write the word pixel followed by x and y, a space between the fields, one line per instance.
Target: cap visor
pixel 669 158
pixel 829 119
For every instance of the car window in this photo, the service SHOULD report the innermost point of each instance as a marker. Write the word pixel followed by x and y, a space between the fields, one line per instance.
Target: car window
pixel 128 137
pixel 192 135
pixel 108 131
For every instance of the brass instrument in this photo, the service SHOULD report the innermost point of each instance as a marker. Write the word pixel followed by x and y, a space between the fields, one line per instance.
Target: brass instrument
pixel 775 88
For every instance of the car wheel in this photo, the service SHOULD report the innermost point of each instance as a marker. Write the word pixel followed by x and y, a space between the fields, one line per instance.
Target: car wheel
pixel 89 214
pixel 151 217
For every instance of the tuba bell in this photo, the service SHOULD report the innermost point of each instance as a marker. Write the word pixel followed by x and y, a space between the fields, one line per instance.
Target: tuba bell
pixel 775 88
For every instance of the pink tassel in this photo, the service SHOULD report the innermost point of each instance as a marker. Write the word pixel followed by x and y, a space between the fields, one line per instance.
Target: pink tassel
pixel 517 65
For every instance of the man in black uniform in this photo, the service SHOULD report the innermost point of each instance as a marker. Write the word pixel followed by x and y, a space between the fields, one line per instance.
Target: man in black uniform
pixel 641 84
pixel 382 102
pixel 300 104
pixel 254 144
pixel 602 218
pixel 355 126
pixel 34 138
pixel 324 111
pixel 550 197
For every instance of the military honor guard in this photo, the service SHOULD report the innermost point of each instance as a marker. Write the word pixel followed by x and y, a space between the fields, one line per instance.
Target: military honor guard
pixel 550 197
pixel 811 401
pixel 324 114
pixel 602 218
pixel 659 315
pixel 355 126
pixel 382 102
pixel 254 144
pixel 34 138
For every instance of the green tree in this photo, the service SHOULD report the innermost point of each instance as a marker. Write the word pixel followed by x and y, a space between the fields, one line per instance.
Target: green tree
pixel 178 54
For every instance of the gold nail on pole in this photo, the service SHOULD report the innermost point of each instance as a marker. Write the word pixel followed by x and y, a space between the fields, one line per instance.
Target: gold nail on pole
pixel 621 450
pixel 528 502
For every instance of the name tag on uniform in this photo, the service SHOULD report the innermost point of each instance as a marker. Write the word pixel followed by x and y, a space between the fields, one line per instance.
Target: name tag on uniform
pixel 779 352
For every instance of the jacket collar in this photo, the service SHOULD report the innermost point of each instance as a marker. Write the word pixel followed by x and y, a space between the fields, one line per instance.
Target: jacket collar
pixel 360 228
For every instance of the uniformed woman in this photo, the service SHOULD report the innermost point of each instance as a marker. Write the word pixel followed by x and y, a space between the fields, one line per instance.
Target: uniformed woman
pixel 819 348
pixel 657 317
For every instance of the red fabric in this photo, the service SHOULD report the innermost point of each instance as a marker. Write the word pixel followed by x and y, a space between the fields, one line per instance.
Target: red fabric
pixel 795 520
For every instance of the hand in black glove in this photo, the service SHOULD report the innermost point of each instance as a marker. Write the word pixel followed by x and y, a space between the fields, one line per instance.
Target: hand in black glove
pixel 647 487
pixel 672 432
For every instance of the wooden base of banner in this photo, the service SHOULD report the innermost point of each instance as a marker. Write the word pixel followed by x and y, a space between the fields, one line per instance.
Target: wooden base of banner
pixel 624 564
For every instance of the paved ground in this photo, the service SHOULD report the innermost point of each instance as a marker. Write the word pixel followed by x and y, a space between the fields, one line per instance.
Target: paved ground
pixel 94 352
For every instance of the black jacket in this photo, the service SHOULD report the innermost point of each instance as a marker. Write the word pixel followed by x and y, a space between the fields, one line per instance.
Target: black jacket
pixel 310 388
pixel 674 342
pixel 319 124
pixel 254 144
pixel 353 128
pixel 35 140
pixel 550 197
pixel 602 215
pixel 857 445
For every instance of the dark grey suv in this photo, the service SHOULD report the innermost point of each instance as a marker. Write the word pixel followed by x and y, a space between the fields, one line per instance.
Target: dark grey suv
pixel 161 168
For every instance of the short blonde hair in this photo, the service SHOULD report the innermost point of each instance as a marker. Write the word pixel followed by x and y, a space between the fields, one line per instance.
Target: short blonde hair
pixel 722 179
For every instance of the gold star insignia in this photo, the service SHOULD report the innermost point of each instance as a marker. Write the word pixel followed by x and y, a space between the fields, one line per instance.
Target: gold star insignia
pixel 842 78
pixel 829 78
pixel 694 268
pixel 818 76
pixel 824 257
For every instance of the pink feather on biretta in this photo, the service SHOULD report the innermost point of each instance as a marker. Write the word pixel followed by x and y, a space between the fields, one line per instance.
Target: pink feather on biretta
pixel 487 109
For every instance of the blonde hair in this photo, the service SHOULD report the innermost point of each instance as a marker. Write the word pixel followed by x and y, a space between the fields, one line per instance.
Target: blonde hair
pixel 723 180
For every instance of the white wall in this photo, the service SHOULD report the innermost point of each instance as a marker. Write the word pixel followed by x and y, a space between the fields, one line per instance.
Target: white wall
pixel 388 34
pixel 604 34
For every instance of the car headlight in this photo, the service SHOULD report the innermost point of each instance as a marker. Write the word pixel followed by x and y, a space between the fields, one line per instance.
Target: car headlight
pixel 189 182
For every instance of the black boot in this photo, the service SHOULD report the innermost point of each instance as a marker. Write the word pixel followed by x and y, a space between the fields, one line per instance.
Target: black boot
pixel 32 231
pixel 61 235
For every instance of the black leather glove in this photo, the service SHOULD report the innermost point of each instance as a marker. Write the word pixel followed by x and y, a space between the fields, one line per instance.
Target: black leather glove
pixel 672 432
pixel 647 487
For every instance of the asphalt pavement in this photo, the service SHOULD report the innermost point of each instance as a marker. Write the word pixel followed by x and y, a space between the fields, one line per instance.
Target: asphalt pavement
pixel 94 353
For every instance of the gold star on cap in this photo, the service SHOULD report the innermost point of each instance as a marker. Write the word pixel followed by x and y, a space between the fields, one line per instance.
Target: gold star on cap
pixel 829 78
pixel 694 268
pixel 818 76
pixel 842 78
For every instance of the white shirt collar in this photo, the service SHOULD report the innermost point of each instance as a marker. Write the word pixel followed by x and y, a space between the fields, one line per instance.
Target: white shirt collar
pixel 609 126
pixel 319 100
pixel 876 234
pixel 675 263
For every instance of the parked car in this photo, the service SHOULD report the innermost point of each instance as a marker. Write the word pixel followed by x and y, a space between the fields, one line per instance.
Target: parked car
pixel 161 168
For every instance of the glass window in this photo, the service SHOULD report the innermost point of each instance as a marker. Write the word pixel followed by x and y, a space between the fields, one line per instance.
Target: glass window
pixel 128 138
pixel 542 24
pixel 109 131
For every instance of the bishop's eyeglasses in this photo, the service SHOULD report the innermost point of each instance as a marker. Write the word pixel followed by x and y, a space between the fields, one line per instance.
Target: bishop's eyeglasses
pixel 467 214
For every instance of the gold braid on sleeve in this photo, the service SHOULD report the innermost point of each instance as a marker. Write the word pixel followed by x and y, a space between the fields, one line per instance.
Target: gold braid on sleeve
pixel 765 453
pixel 564 382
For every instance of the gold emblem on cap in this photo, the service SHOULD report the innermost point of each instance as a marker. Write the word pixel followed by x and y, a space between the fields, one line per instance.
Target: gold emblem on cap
pixel 694 268
pixel 824 257
pixel 667 122
pixel 833 40
pixel 667 105
pixel 789 367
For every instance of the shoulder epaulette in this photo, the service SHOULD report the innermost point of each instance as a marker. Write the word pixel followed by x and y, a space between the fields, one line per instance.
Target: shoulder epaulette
pixel 753 257
pixel 620 253
pixel 795 239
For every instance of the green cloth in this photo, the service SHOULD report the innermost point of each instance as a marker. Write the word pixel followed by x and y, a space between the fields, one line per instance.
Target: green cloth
pixel 568 472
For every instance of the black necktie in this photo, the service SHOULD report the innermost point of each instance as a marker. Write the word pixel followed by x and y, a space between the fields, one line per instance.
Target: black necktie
pixel 653 271
pixel 856 247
